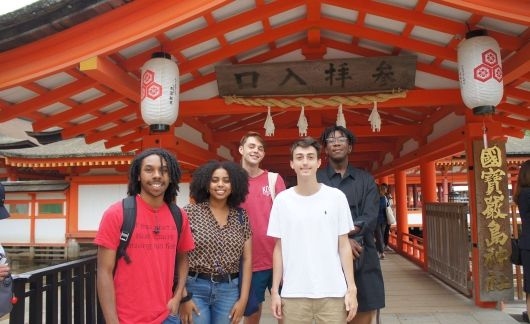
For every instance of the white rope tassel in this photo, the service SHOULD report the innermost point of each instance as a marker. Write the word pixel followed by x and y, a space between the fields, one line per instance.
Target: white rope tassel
pixel 269 123
pixel 302 124
pixel 375 119
pixel 341 121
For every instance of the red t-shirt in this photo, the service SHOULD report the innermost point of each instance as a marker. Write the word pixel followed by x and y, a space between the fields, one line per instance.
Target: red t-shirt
pixel 258 205
pixel 143 287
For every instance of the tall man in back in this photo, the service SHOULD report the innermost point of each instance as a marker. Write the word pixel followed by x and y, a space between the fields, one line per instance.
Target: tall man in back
pixel 363 197
pixel 138 288
pixel 263 186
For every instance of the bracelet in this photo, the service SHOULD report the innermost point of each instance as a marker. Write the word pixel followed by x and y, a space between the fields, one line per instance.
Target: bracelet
pixel 187 298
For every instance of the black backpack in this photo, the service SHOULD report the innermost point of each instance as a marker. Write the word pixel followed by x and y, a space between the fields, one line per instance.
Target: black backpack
pixel 127 228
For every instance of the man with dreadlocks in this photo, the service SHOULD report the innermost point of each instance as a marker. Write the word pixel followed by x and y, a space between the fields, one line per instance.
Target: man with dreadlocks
pixel 141 291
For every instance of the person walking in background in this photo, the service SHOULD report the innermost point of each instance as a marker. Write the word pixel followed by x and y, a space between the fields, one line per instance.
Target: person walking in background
pixel 382 221
pixel 4 267
pixel 522 199
pixel 363 198
pixel 312 254
pixel 222 240
pixel 138 287
pixel 262 187
pixel 386 234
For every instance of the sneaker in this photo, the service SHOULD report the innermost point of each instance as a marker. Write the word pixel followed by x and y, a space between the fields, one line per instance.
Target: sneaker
pixel 382 256
pixel 525 317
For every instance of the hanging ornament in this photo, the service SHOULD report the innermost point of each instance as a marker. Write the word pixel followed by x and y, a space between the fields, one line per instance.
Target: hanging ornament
pixel 375 119
pixel 302 124
pixel 159 96
pixel 341 121
pixel 480 72
pixel 485 135
pixel 269 123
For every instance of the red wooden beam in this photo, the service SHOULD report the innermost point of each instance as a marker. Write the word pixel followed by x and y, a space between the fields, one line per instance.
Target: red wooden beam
pixel 512 10
pixel 517 65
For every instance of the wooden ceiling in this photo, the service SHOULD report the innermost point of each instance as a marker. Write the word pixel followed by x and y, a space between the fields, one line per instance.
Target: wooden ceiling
pixel 42 84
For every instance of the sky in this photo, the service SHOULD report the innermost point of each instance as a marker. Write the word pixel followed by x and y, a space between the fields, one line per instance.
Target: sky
pixel 8 6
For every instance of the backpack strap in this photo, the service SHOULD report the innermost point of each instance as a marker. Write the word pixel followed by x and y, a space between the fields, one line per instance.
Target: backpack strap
pixel 272 177
pixel 127 228
pixel 177 216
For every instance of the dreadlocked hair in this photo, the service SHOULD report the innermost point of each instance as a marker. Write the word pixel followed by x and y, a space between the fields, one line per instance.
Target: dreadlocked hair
pixel 134 187
pixel 200 182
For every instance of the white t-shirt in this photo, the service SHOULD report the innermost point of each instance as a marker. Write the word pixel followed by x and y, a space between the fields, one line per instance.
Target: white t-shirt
pixel 309 227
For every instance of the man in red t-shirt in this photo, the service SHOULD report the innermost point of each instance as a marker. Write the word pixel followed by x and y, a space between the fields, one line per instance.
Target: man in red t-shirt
pixel 258 205
pixel 141 291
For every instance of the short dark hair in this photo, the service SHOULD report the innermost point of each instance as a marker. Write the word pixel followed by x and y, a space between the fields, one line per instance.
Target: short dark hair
pixel 200 182
pixel 251 134
pixel 134 187
pixel 306 142
pixel 523 180
pixel 331 130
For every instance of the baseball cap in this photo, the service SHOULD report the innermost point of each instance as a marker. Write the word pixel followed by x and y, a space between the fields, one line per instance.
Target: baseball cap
pixel 3 211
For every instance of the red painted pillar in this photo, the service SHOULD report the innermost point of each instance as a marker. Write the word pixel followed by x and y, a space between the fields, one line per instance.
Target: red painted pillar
pixel 401 208
pixel 428 192
pixel 383 180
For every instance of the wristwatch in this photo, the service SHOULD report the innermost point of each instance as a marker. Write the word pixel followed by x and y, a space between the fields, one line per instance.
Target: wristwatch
pixel 186 298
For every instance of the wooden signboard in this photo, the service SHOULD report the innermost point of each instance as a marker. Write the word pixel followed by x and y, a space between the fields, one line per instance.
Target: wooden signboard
pixel 341 76
pixel 493 221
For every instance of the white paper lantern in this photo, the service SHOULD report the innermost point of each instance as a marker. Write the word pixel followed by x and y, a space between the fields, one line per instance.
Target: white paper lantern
pixel 160 92
pixel 480 72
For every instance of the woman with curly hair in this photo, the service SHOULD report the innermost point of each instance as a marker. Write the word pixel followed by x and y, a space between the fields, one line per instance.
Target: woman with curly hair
pixel 522 198
pixel 222 240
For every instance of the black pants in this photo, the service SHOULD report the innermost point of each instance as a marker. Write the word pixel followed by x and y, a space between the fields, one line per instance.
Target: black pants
pixel 386 234
pixel 379 240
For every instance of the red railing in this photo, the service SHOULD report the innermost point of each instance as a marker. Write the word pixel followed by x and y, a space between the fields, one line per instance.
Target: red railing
pixel 412 247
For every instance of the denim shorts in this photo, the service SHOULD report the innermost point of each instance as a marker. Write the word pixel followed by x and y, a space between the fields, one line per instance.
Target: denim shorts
pixel 261 280
pixel 214 300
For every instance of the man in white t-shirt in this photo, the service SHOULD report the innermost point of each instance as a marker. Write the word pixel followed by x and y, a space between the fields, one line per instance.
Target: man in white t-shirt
pixel 311 222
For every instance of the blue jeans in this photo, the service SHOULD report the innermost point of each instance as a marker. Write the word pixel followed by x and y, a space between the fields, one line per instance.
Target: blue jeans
pixel 214 300
pixel 171 319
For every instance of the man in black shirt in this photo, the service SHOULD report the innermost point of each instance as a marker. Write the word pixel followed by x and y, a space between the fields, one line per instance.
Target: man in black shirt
pixel 363 198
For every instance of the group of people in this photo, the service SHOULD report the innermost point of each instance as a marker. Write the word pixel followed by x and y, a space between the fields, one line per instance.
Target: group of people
pixel 312 245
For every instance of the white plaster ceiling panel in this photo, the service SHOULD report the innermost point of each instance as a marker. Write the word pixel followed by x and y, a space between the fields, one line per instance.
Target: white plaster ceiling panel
pixel 87 95
pixel 129 118
pixel 501 26
pixel 16 94
pixel 54 108
pixel 443 11
pixel 82 119
pixel 205 70
pixel 431 36
pixel 190 134
pixel 139 47
pixel 201 48
pixel 446 125
pixel 332 53
pixel 388 158
pixel 105 127
pixel 289 57
pixel 524 86
pixel 205 91
pixel 112 107
pixel 385 24
pixel 423 58
pixel 409 146
pixel 288 16
pixel 244 32
pixel 290 39
pixel 235 7
pixel 431 81
pixel 55 81
pixel 513 101
pixel 225 152
pixel 339 13
pixel 253 52
pixel 186 78
pixel 409 4
pixel 450 65
pixel 186 28
pixel 376 46
pixel 333 35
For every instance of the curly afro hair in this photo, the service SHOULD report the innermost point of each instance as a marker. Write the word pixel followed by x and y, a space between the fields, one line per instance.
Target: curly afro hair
pixel 200 182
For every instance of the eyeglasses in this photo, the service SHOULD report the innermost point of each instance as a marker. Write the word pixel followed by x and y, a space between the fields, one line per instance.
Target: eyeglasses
pixel 333 140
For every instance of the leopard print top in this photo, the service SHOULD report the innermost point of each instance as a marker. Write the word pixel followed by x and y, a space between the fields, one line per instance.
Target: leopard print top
pixel 217 249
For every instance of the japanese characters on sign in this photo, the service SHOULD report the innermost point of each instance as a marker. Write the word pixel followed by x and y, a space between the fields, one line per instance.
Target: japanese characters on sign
pixel 493 224
pixel 317 77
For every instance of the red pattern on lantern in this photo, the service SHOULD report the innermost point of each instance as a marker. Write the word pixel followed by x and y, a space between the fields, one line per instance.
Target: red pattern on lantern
pixel 150 88
pixel 489 68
